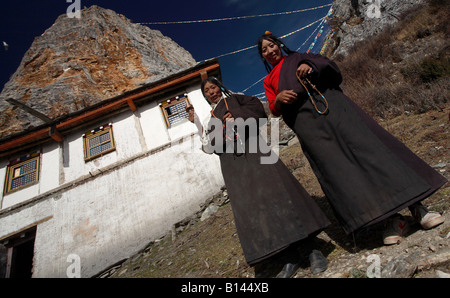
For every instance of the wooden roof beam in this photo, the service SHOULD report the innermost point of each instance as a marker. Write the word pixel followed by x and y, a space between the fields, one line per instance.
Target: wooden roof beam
pixel 55 134
pixel 132 106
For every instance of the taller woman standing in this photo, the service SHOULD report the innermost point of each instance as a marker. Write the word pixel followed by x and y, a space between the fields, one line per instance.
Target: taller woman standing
pixel 366 174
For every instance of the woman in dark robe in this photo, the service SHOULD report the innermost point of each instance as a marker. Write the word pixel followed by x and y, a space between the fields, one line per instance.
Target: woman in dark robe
pixel 273 213
pixel 366 174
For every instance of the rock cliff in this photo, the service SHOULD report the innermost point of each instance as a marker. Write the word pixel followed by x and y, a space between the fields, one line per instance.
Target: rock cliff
pixel 78 62
pixel 357 20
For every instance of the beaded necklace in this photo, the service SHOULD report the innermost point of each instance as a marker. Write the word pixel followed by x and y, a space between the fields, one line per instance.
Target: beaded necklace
pixel 227 135
pixel 310 96
pixel 224 125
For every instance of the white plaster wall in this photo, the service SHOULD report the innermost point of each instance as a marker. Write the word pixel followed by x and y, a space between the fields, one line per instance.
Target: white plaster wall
pixel 48 177
pixel 3 165
pixel 127 145
pixel 23 218
pixel 49 172
pixel 126 136
pixel 19 196
pixel 201 106
pixel 153 126
pixel 114 216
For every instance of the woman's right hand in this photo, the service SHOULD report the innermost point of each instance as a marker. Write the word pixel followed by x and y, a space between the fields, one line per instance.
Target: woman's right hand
pixel 287 97
pixel 191 112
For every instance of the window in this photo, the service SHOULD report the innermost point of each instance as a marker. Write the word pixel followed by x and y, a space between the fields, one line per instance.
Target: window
pixel 174 110
pixel 98 141
pixel 22 172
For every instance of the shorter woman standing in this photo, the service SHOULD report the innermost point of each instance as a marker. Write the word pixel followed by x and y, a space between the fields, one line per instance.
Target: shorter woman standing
pixel 272 211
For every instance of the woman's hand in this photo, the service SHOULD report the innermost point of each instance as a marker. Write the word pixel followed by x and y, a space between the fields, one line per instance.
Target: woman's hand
pixel 227 117
pixel 303 70
pixel 286 96
pixel 191 112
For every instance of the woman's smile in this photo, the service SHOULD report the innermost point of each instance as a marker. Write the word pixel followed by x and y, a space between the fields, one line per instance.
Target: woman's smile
pixel 271 52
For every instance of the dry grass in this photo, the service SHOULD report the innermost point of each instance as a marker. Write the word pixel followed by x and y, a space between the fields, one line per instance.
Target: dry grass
pixel 207 249
pixel 403 69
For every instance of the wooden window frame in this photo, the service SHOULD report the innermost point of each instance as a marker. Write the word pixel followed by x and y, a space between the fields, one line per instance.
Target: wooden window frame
pixel 105 129
pixel 16 165
pixel 172 102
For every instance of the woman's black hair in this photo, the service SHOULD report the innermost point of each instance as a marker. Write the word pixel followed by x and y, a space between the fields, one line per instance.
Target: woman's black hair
pixel 275 40
pixel 216 82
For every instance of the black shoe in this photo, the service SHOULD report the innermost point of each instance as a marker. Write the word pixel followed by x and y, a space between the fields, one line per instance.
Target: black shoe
pixel 288 270
pixel 318 262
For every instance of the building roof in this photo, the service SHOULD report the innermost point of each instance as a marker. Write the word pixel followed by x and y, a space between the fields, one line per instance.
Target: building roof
pixel 57 128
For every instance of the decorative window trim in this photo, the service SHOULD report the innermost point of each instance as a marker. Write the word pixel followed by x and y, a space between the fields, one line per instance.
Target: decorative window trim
pixel 22 173
pixel 176 115
pixel 101 143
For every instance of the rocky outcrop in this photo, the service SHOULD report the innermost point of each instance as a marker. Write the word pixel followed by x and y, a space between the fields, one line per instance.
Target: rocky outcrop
pixel 79 62
pixel 357 20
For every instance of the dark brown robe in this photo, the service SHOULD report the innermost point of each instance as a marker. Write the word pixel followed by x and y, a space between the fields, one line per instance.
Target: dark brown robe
pixel 271 209
pixel 366 173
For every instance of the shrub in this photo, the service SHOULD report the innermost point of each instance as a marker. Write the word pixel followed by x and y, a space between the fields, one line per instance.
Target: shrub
pixel 432 69
pixel 438 3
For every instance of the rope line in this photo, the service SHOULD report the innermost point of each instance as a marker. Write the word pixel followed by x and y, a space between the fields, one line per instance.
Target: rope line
pixel 321 20
pixel 254 46
pixel 254 84
pixel 243 91
pixel 315 30
pixel 235 18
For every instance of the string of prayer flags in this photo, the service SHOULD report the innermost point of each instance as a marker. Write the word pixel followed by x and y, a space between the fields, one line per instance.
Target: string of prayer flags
pixel 236 18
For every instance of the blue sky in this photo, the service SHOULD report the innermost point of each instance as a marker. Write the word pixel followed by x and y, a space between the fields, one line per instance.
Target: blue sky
pixel 22 20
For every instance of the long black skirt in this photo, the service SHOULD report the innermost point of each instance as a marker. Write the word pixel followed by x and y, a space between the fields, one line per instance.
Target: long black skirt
pixel 365 172
pixel 271 209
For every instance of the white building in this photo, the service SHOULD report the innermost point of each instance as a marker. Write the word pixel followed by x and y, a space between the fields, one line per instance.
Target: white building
pixel 97 186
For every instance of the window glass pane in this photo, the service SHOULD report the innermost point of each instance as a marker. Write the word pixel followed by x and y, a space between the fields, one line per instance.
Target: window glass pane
pixel 94 141
pixel 106 146
pixel 23 180
pixel 95 151
pixel 177 112
pixel 28 167
pixel 105 137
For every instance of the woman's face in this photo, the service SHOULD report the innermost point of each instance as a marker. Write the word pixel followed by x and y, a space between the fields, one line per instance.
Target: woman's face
pixel 212 92
pixel 271 52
